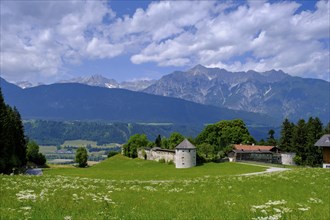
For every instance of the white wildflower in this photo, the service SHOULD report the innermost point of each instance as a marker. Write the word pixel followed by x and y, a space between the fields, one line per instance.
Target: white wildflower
pixel 287 210
pixel 277 210
pixel 175 190
pixel 278 202
pixel 26 208
pixel 26 195
pixel 304 209
pixel 263 211
pixel 150 188
pixel 315 200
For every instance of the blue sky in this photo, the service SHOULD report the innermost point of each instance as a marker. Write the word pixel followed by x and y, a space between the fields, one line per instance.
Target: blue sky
pixel 47 41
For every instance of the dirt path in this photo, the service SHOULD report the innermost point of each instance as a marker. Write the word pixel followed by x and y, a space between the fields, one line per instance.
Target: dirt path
pixel 269 170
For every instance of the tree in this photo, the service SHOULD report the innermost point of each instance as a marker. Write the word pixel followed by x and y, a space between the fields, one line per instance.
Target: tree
pixel 225 133
pixel 314 128
pixel 81 157
pixel 112 153
pixel 262 142
pixel 136 141
pixel 158 141
pixel 286 136
pixel 271 139
pixel 299 138
pixel 165 143
pixel 175 139
pixel 12 138
pixel 33 154
pixel 32 151
pixel 206 151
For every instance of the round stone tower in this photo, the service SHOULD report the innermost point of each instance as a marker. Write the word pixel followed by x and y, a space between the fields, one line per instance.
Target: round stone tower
pixel 185 155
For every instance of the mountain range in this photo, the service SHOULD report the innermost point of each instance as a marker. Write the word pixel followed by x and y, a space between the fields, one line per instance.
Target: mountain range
pixel 273 93
pixel 73 101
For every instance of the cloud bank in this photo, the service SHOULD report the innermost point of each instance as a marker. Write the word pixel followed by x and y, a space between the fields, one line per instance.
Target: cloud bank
pixel 40 39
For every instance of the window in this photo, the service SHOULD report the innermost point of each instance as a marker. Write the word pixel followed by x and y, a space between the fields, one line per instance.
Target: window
pixel 182 163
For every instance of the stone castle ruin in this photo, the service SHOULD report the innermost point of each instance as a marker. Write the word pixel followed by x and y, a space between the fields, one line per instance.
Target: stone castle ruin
pixel 183 156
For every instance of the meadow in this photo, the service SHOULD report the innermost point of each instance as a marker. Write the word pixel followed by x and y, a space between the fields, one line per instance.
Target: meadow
pixel 123 188
pixel 96 154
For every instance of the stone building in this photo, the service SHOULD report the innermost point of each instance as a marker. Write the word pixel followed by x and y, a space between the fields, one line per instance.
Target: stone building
pixel 184 155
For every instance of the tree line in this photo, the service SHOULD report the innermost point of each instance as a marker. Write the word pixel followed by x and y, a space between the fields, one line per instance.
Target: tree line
pixel 57 132
pixel 216 140
pixel 301 137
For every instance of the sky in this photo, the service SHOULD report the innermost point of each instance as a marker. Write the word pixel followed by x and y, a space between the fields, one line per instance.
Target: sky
pixel 47 41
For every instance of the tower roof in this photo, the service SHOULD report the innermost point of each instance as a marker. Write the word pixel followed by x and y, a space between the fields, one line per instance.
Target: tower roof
pixel 185 144
pixel 324 141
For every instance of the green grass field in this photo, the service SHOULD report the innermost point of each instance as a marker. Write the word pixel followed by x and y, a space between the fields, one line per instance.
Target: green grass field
pixel 47 149
pixel 84 143
pixel 122 188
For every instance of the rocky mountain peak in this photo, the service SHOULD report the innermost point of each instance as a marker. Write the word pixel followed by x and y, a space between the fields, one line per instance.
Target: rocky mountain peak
pixel 24 84
pixel 271 92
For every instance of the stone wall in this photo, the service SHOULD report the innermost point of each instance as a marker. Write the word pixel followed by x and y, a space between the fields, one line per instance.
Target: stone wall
pixel 287 158
pixel 157 154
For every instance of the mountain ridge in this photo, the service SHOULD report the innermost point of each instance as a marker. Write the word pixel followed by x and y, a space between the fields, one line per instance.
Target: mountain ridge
pixel 272 92
pixel 72 101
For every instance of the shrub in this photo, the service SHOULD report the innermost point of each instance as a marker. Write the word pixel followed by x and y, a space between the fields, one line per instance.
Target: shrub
pixel 298 160
pixel 162 160
pixel 112 153
pixel 144 154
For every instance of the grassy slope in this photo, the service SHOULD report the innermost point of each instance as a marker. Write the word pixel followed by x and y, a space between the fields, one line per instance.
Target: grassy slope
pixel 121 188
pixel 123 168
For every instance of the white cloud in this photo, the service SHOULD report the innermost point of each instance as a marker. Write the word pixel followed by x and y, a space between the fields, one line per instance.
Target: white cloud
pixel 101 48
pixel 259 36
pixel 39 37
pixel 42 37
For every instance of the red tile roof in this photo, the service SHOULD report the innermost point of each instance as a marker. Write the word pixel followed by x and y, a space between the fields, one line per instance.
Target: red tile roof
pixel 252 147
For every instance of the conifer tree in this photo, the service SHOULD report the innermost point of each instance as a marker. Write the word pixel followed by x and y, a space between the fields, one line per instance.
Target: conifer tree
pixel 271 139
pixel 299 138
pixel 286 136
pixel 158 141
pixel 12 139
pixel 314 129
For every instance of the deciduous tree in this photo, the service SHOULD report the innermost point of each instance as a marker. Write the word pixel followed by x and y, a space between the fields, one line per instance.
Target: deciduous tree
pixel 81 157
pixel 175 139
pixel 136 141
pixel 33 154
